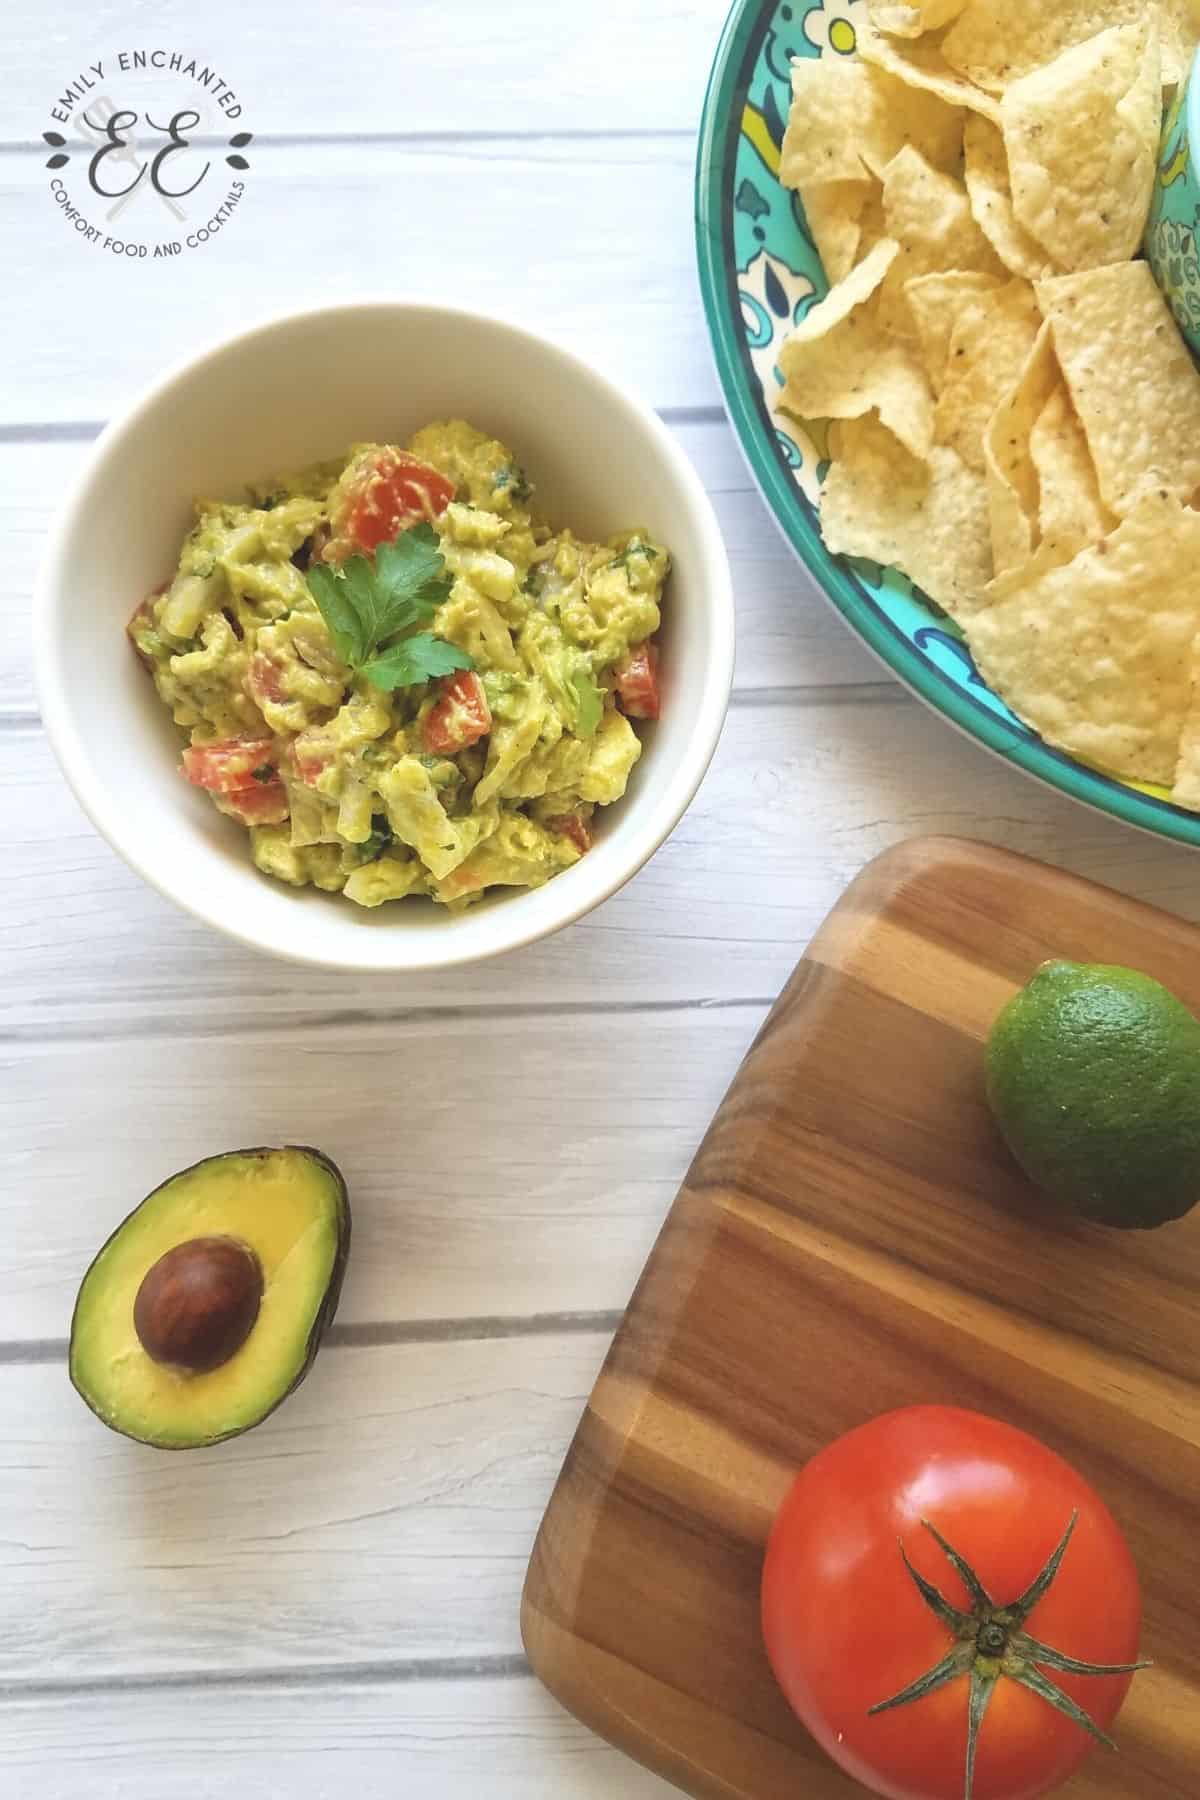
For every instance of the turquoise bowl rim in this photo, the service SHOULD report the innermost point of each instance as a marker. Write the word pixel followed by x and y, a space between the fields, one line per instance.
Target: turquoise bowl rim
pixel 740 40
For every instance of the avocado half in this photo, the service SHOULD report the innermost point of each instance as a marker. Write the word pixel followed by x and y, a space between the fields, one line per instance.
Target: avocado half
pixel 205 1308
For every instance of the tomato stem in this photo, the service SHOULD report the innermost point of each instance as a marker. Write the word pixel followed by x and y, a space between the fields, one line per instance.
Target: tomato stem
pixel 990 1643
pixel 983 1686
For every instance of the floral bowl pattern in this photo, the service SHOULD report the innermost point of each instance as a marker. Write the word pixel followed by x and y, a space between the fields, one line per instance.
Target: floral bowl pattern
pixel 759 272
pixel 1175 214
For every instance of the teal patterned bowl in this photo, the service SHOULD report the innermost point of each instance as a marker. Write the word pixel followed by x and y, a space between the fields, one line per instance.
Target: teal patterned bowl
pixel 1171 240
pixel 759 272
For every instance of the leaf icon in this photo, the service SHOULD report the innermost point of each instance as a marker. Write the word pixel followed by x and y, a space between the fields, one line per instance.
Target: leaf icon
pixel 55 139
pixel 237 162
pixel 241 140
pixel 57 162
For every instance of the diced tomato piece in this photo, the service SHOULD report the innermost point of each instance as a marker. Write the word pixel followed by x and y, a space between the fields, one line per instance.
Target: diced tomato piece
pixel 460 882
pixel 572 826
pixel 263 803
pixel 227 767
pixel 637 682
pixel 264 680
pixel 391 491
pixel 310 768
pixel 461 716
pixel 310 756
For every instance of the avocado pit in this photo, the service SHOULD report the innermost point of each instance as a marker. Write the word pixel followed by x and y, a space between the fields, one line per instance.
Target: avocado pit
pixel 205 1308
pixel 198 1303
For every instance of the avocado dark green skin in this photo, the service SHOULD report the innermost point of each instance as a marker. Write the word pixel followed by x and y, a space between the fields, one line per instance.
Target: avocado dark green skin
pixel 321 1324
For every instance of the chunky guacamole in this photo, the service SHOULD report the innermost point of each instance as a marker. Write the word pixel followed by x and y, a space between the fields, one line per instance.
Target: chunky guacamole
pixel 400 678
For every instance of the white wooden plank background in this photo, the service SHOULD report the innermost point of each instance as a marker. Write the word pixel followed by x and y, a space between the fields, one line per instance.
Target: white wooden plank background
pixel 330 1605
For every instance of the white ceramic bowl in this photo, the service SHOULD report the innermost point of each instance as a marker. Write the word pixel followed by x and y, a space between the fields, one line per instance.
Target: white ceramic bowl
pixel 288 392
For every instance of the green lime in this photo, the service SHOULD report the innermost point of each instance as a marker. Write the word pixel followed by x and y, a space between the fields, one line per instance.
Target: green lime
pixel 1093 1073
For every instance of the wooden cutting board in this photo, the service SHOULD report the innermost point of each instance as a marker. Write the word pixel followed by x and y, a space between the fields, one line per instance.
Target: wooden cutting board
pixel 852 1237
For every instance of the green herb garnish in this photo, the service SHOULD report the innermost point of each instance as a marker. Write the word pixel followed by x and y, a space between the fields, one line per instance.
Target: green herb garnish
pixel 512 477
pixel 637 548
pixel 374 611
pixel 378 840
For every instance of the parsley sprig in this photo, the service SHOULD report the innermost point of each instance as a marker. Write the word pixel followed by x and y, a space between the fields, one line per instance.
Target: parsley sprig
pixel 375 611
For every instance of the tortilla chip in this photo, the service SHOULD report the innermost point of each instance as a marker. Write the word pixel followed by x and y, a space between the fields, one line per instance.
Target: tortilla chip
pixel 1179 33
pixel 1082 138
pixel 997 42
pixel 834 211
pixel 845 115
pixel 991 343
pixel 1134 385
pixel 928 519
pixel 990 193
pixel 935 303
pixel 1070 510
pixel 1186 791
pixel 913 20
pixel 839 364
pixel 872 227
pixel 1095 654
pixel 929 216
pixel 1013 497
pixel 923 67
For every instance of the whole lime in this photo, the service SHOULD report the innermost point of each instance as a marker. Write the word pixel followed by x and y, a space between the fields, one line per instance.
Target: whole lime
pixel 1093 1073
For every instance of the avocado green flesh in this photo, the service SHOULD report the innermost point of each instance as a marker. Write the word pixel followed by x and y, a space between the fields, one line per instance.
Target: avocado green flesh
pixel 290 1207
pixel 1093 1074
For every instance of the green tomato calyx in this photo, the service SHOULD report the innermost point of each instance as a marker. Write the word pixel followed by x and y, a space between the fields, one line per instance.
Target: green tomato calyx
pixel 990 1642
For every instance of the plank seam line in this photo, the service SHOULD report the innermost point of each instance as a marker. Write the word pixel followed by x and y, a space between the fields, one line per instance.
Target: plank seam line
pixel 50 431
pixel 82 431
pixel 691 415
pixel 382 1333
pixel 850 693
pixel 355 1019
pixel 321 140
pixel 499 1667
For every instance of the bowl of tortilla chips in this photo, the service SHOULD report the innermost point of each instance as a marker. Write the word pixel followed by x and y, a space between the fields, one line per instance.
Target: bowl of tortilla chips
pixel 963 394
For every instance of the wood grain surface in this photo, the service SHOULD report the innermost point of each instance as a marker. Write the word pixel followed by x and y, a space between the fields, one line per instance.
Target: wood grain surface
pixel 853 1237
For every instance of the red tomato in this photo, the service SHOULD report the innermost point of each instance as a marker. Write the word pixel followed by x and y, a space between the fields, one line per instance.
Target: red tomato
pixel 461 716
pixel 309 768
pixel 310 754
pixel 846 1626
pixel 227 767
pixel 462 881
pixel 266 803
pixel 572 826
pixel 264 680
pixel 637 682
pixel 389 491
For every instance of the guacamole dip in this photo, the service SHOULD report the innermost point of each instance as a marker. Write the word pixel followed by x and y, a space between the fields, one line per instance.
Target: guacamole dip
pixel 400 678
